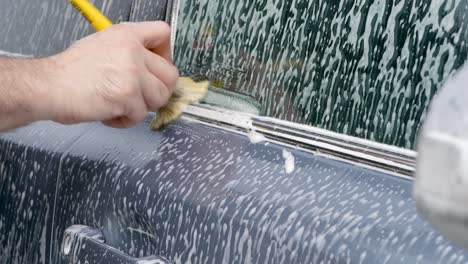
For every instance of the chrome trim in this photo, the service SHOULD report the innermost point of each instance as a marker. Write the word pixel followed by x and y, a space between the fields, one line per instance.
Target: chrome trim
pixel 361 152
pixel 172 14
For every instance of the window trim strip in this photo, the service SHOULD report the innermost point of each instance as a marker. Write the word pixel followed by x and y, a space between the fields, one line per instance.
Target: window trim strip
pixel 361 152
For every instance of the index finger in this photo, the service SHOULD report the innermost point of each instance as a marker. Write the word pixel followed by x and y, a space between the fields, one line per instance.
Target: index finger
pixel 155 36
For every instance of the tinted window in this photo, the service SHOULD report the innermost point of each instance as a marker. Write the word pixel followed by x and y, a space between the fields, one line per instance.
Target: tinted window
pixel 365 68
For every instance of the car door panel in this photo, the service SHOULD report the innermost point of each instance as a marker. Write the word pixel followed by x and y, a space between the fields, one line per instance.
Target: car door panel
pixel 195 194
pixel 191 193
pixel 47 27
pixel 148 10
pixel 29 165
pixel 30 158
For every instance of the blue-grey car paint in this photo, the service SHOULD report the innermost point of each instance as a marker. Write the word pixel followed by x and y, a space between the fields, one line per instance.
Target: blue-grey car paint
pixel 47 27
pixel 190 193
pixel 197 194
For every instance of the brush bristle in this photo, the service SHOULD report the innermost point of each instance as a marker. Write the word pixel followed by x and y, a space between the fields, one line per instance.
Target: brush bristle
pixel 187 91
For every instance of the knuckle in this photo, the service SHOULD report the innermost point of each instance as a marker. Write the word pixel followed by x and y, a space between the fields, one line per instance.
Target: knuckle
pixel 128 89
pixel 165 94
pixel 140 115
pixel 164 28
pixel 160 100
pixel 137 114
pixel 118 110
pixel 131 48
pixel 175 72
pixel 156 94
pixel 173 77
pixel 130 57
pixel 116 93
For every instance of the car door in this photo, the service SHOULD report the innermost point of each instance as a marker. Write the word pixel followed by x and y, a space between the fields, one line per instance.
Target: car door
pixel 199 193
pixel 248 185
pixel 229 184
pixel 28 185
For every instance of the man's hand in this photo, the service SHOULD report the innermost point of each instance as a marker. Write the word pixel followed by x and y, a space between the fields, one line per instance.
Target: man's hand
pixel 111 76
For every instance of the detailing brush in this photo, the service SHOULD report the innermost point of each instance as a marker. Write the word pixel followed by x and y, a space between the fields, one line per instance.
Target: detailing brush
pixel 187 90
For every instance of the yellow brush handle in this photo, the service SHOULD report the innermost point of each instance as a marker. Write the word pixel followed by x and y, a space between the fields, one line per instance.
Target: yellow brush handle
pixel 92 14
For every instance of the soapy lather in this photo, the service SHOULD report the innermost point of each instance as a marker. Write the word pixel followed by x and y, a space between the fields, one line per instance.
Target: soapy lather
pixel 187 91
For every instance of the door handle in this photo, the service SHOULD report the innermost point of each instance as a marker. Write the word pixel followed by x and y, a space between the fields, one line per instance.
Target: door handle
pixel 84 244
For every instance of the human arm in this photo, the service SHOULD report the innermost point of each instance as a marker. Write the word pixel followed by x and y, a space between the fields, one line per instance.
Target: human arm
pixel 109 76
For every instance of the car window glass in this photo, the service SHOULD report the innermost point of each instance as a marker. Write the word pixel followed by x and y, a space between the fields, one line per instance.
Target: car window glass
pixel 364 68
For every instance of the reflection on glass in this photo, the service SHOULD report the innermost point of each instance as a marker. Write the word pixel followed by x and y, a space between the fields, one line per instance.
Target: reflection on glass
pixel 367 68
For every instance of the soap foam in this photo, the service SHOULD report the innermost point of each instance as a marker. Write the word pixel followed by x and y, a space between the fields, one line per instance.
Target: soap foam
pixel 256 137
pixel 289 161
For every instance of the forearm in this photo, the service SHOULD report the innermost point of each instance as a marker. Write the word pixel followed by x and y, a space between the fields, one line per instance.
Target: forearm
pixel 21 89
